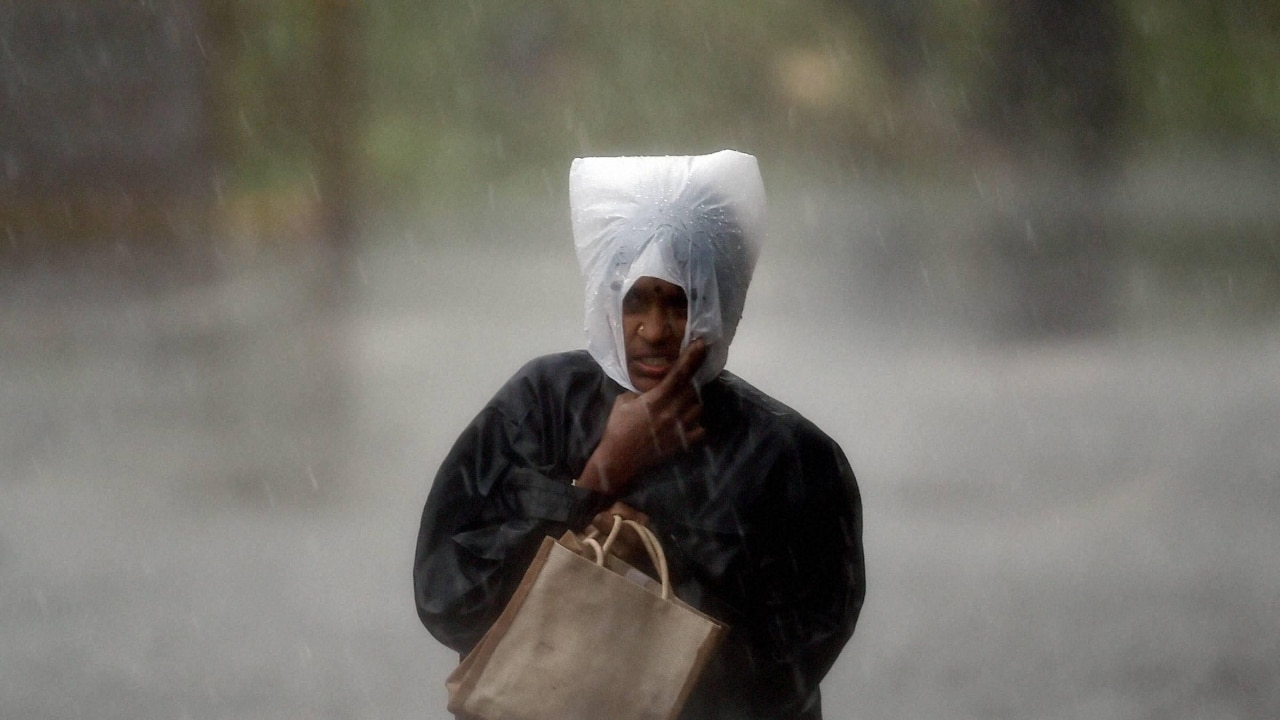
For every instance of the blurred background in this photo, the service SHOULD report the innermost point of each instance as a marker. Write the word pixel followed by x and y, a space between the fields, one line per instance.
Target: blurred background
pixel 261 260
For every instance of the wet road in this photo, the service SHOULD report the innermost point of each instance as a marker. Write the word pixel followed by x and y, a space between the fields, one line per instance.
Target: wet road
pixel 208 495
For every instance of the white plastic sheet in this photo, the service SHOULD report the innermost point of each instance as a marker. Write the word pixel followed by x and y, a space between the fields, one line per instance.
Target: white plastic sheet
pixel 696 221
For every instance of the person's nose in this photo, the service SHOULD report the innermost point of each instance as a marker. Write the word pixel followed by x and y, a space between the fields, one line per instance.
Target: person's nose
pixel 656 326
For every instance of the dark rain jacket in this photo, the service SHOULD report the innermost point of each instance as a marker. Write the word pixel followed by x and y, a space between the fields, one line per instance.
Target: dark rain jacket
pixel 761 523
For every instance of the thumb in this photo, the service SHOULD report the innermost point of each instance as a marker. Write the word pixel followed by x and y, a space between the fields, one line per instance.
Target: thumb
pixel 687 364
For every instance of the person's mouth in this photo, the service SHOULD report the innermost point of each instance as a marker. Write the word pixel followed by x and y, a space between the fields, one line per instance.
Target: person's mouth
pixel 654 365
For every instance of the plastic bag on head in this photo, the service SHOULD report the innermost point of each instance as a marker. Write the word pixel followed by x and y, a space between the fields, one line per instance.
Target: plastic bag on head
pixel 695 221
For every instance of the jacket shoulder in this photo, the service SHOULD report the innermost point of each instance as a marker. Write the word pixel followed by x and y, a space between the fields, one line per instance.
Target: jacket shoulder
pixel 773 418
pixel 554 376
pixel 759 406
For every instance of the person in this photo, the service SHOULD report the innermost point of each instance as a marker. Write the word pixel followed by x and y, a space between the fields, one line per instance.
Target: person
pixel 757 509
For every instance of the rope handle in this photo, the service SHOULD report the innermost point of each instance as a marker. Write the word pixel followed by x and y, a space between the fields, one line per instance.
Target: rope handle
pixel 651 545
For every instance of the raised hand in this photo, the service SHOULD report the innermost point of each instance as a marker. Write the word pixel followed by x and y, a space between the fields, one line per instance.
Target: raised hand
pixel 643 430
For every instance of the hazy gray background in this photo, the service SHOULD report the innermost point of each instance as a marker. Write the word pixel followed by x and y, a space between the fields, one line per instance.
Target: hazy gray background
pixel 262 261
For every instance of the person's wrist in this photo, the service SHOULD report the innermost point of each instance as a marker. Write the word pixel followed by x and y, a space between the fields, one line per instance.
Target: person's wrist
pixel 601 476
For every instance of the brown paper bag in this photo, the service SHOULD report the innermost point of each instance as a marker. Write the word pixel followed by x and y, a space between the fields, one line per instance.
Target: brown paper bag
pixel 584 639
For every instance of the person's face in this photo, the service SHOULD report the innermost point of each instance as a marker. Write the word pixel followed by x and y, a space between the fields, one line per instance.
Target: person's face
pixel 654 314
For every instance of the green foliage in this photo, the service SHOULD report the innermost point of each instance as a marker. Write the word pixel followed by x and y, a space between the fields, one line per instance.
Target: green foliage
pixel 460 97
pixel 269 104
pixel 479 92
pixel 1206 70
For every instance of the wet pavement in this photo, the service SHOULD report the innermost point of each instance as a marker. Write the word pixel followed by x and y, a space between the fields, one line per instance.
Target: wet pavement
pixel 209 492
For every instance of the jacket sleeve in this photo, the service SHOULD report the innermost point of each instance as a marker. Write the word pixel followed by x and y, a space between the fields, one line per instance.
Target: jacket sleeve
pixel 494 498
pixel 811 576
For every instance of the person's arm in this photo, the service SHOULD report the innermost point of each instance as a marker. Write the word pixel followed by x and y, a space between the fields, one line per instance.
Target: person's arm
pixel 643 430
pixel 494 498
pixel 811 573
pixel 492 502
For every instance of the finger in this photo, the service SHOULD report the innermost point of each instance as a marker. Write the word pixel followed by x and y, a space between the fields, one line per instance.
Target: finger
pixel 691 415
pixel 694 434
pixel 653 427
pixel 686 365
pixel 686 409
pixel 682 435
pixel 689 432
pixel 603 522
pixel 627 512
pixel 688 398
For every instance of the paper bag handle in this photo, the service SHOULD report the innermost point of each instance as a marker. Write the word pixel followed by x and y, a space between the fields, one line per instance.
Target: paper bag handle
pixel 651 545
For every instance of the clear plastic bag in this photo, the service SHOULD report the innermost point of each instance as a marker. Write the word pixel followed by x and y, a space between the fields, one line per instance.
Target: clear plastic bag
pixel 696 221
